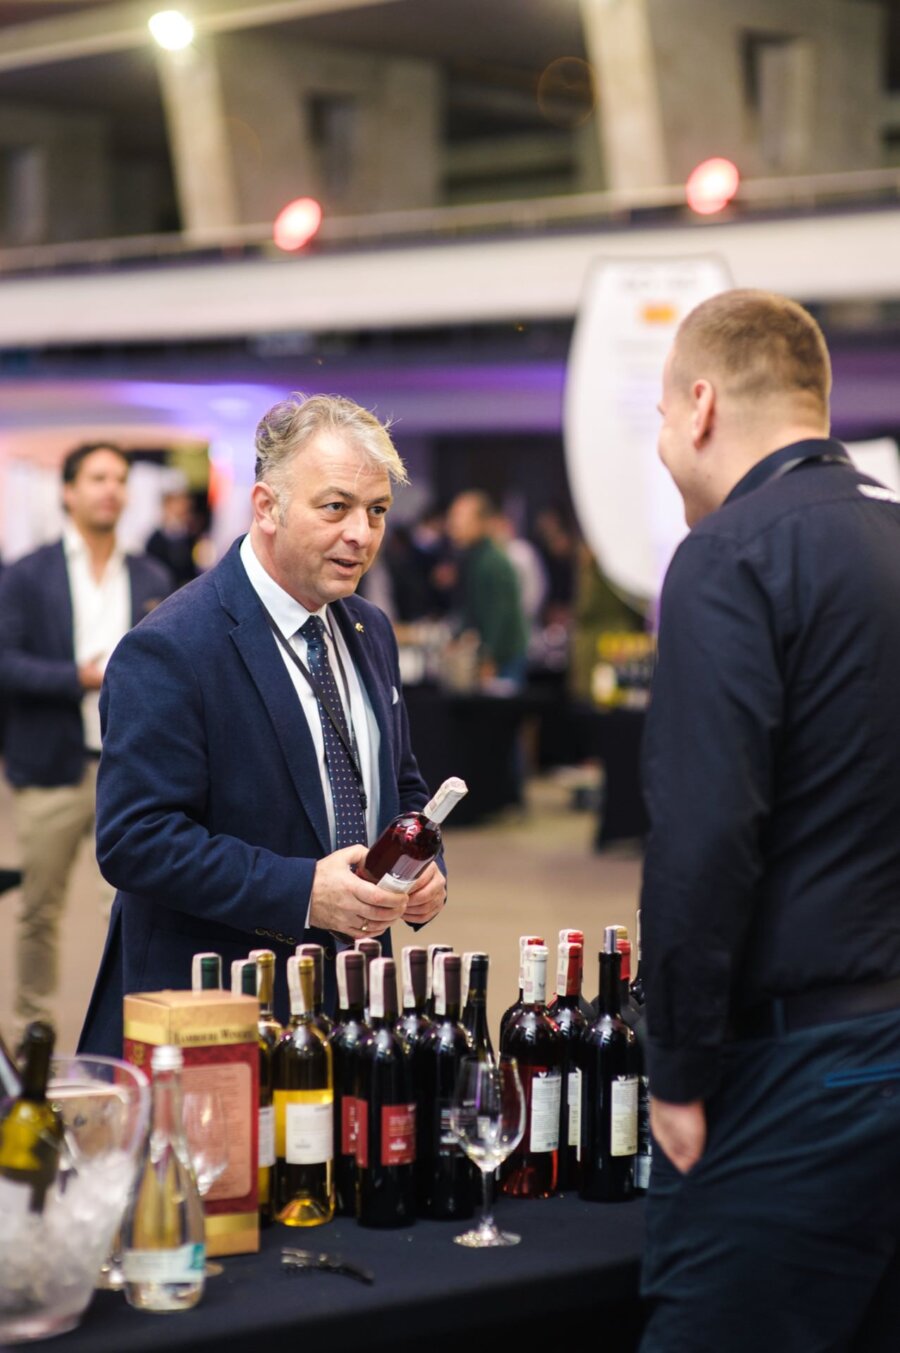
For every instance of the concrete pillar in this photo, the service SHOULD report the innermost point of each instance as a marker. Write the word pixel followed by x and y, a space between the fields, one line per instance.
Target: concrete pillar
pixel 629 119
pixel 198 139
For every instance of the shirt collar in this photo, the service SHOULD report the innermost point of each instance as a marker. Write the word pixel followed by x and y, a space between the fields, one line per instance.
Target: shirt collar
pixel 811 448
pixel 75 546
pixel 288 613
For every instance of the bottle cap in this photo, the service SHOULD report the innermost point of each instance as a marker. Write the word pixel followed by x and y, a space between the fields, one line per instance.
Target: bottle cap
pixel 351 978
pixel 166 1058
pixel 569 969
pixel 534 984
pixel 383 989
pixel 446 981
pixel 446 799
pixel 415 974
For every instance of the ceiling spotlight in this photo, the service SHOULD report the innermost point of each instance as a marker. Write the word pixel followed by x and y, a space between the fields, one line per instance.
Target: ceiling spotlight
pixel 171 30
pixel 296 223
pixel 711 186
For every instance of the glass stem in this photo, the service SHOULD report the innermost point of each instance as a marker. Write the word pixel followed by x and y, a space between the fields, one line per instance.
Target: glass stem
pixel 487 1221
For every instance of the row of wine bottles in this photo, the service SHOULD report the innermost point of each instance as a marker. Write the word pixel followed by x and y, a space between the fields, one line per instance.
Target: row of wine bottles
pixel 355 1110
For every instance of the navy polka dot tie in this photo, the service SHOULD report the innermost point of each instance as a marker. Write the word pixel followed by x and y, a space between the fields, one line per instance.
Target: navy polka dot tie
pixel 349 816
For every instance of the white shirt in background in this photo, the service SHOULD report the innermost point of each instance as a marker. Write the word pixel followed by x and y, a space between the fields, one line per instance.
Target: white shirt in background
pixel 101 616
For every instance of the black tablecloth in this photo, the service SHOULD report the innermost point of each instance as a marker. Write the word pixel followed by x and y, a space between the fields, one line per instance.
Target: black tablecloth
pixel 576 1260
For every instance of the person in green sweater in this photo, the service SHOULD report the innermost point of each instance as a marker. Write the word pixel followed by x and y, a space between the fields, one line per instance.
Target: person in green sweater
pixel 488 589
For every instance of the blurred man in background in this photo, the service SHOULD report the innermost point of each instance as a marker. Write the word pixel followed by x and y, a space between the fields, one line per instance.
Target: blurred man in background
pixel 63 609
pixel 488 593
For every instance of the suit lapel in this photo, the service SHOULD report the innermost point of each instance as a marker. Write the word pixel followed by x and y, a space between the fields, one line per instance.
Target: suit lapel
pixel 256 644
pixel 60 613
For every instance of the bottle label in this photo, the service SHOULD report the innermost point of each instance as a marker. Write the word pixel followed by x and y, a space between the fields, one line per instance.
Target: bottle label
pixel 349 1124
pixel 623 1116
pixel 266 1136
pixel 308 1133
pixel 398 1134
pixel 546 1088
pixel 402 874
pixel 185 1264
pixel 574 1138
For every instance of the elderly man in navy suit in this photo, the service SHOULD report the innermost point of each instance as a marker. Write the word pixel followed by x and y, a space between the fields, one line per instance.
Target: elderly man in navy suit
pixel 255 735
pixel 63 609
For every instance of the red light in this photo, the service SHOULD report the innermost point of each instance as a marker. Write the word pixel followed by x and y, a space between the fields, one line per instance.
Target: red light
pixel 296 223
pixel 711 186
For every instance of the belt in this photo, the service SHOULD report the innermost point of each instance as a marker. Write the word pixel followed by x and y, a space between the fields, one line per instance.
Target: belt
pixel 91 754
pixel 824 1005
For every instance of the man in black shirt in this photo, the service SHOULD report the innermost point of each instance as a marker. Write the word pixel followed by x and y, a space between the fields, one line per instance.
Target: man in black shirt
pixel 771 895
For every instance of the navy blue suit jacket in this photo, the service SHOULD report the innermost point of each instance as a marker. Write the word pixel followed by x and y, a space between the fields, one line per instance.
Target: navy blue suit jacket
pixel 210 811
pixel 44 742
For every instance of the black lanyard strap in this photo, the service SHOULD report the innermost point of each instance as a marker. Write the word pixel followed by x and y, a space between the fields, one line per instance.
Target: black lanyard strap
pixel 337 724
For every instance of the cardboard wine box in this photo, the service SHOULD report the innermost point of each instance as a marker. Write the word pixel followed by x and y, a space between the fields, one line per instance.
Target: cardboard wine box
pixel 217 1033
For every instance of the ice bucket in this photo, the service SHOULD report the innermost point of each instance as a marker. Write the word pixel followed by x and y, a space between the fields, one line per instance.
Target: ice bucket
pixel 49 1261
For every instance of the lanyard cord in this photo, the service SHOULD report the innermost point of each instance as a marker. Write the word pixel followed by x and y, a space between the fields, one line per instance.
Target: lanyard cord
pixel 351 748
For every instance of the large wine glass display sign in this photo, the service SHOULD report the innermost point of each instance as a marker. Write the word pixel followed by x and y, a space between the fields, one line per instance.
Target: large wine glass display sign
pixel 630 512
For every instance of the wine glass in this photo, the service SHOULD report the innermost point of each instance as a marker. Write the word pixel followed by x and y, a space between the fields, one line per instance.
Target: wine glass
pixel 207 1139
pixel 487 1116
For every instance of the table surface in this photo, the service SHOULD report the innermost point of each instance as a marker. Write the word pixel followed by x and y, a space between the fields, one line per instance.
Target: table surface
pixel 575 1258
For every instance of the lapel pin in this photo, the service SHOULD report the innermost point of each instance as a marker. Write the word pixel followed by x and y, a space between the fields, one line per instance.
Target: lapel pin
pixel 360 629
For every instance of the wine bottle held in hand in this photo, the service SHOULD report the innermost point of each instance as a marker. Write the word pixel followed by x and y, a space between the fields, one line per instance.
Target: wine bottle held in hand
pixel 304 1105
pixel 349 1033
pixel 163 1234
pixel 386 1111
pixel 609 1102
pixel 31 1130
pixel 407 846
pixel 534 1041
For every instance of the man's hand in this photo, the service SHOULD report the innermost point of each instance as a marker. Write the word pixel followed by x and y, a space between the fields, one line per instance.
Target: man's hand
pixel 680 1129
pixel 90 675
pixel 426 897
pixel 349 905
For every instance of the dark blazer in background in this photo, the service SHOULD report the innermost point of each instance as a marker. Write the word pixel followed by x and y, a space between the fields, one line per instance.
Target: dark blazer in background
pixel 210 810
pixel 44 742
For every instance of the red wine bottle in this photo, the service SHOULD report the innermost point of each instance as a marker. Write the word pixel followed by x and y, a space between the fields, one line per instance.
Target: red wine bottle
pixel 513 1010
pixel 370 950
pixel 475 968
pixel 445 1180
pixel 537 1045
pixel 433 951
pixel 584 1005
pixel 609 1104
pixel 323 1021
pixel 571 1024
pixel 349 1033
pixel 413 1022
pixel 304 1109
pixel 386 1107
pixel 407 846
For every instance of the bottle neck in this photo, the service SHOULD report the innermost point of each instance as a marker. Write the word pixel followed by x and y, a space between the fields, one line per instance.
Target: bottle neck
pixel 610 966
pixel 35 1069
pixel 167 1109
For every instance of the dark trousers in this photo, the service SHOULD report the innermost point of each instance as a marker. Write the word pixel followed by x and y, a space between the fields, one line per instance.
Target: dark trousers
pixel 785 1237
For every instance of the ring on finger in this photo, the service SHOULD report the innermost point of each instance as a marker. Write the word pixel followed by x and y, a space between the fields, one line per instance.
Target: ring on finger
pixel 364 925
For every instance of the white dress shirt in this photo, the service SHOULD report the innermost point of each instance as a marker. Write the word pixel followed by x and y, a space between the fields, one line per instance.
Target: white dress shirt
pixel 101 616
pixel 289 615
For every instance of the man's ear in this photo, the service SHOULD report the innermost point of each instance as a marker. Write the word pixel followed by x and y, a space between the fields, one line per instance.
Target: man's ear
pixel 265 507
pixel 704 410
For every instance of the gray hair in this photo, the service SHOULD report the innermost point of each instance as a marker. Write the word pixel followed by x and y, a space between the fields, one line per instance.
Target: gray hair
pixel 293 423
